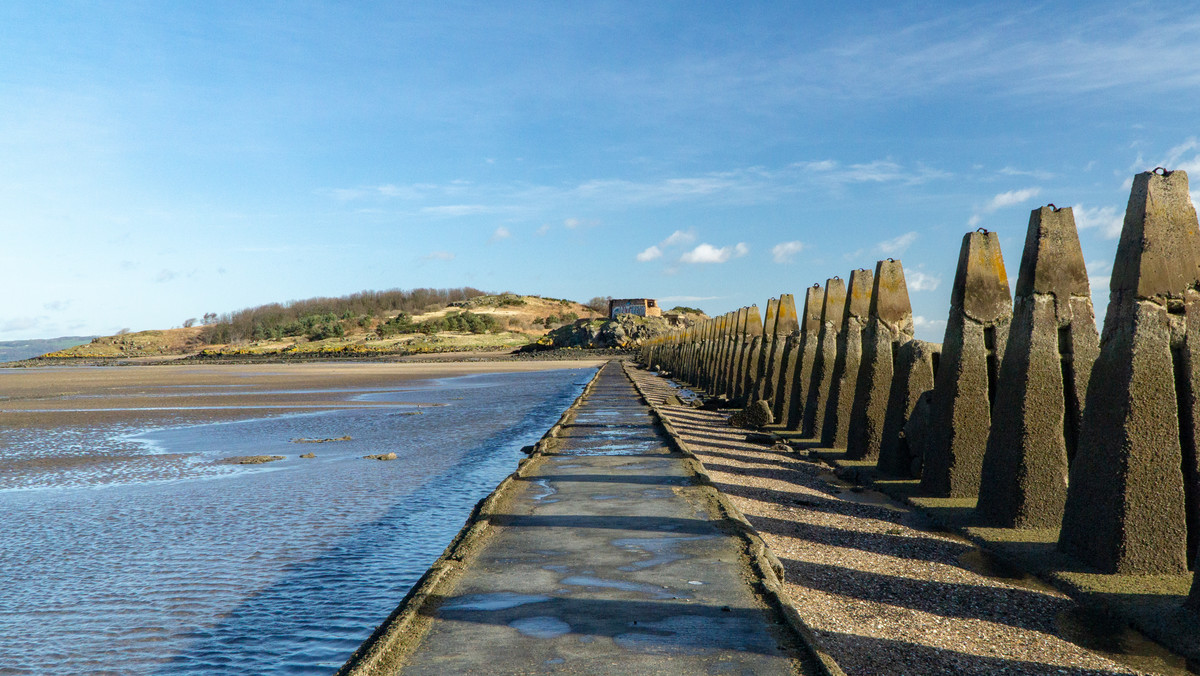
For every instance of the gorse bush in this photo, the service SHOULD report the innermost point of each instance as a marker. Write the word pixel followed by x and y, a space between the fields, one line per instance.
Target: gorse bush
pixel 276 321
pixel 463 322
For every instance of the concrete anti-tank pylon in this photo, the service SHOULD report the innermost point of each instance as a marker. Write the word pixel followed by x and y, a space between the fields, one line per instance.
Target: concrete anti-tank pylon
pixel 747 362
pixel 836 430
pixel 889 325
pixel 833 310
pixel 1132 492
pixel 798 364
pixel 763 358
pixel 916 365
pixel 960 416
pixel 787 340
pixel 1052 344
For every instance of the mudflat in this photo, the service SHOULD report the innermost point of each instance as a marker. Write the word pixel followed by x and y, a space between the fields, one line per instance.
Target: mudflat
pixel 54 396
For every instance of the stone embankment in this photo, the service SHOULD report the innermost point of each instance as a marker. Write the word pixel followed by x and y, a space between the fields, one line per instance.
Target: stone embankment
pixel 1071 453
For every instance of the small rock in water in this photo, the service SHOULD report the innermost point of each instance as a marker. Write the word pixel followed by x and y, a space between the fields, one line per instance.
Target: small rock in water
pixel 251 459
pixel 381 456
pixel 305 440
pixel 309 455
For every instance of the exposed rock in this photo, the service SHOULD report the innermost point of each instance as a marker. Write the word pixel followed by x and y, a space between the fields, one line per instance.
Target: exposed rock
pixel 673 400
pixel 251 459
pixel 309 455
pixel 380 456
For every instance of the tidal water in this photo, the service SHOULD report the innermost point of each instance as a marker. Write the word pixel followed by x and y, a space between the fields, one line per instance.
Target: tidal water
pixel 168 562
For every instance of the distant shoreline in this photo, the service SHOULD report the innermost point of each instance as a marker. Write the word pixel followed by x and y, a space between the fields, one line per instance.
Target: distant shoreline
pixel 555 354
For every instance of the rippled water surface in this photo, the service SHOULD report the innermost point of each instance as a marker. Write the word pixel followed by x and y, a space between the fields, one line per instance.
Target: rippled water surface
pixel 165 561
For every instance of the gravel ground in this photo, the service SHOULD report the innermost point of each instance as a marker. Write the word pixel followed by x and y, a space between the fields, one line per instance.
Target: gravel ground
pixel 884 593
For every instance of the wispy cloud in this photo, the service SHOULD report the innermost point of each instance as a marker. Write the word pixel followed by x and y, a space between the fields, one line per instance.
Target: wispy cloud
pixel 896 245
pixel 438 256
pixel 1002 200
pixel 500 233
pixel 1040 175
pixel 707 253
pixel 920 281
pixel 571 223
pixel 1108 220
pixel 649 254
pixel 165 276
pixel 876 171
pixel 785 252
pixel 461 209
pixel 679 237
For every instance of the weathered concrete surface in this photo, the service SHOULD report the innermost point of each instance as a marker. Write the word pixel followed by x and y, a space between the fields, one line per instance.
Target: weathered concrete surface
pixel 785 326
pixel 889 325
pixel 607 559
pixel 905 433
pixel 1052 343
pixel 816 395
pixel 748 361
pixel 801 352
pixel 980 312
pixel 1133 481
pixel 836 429
pixel 763 358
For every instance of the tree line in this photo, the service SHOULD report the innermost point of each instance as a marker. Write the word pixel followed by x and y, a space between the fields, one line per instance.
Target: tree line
pixel 324 317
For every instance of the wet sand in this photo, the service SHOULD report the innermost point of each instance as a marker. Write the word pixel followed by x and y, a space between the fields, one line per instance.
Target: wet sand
pixel 153 395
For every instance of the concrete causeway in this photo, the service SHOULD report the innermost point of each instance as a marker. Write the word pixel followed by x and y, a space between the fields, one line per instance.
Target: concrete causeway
pixel 605 555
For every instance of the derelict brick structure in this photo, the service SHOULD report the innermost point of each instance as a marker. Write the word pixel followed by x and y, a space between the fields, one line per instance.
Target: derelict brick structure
pixel 833 310
pixel 836 429
pixel 1133 482
pixel 916 370
pixel 889 325
pixel 785 326
pixel 748 362
pixel 800 357
pixel 1052 343
pixel 980 311
pixel 763 359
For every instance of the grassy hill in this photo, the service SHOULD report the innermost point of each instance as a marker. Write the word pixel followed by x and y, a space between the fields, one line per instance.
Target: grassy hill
pixel 477 322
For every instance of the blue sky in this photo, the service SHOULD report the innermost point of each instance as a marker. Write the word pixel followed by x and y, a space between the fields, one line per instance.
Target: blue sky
pixel 163 160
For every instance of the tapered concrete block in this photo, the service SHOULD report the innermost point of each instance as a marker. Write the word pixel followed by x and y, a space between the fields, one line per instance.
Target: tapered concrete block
pixel 763 358
pixel 905 440
pixel 1052 343
pixel 980 312
pixel 801 355
pixel 1132 489
pixel 748 359
pixel 785 326
pixel 889 325
pixel 1193 600
pixel 836 430
pixel 833 311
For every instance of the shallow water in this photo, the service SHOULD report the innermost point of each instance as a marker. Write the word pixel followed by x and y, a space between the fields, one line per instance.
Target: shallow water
pixel 163 560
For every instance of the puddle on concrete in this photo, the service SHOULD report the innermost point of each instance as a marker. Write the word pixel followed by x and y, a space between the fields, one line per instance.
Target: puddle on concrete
pixel 694 635
pixel 496 601
pixel 656 493
pixel 660 550
pixel 988 564
pixel 606 497
pixel 546 490
pixel 542 626
pixel 1102 633
pixel 635 587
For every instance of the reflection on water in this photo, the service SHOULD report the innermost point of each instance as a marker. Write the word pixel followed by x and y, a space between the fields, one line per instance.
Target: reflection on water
pixel 137 553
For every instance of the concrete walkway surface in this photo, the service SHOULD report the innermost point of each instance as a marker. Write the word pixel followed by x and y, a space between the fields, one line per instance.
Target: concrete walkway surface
pixel 606 556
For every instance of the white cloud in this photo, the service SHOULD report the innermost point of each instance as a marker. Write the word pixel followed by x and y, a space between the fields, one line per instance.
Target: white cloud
pixel 21 324
pixel 459 210
pixel 650 254
pixel 438 256
pixel 896 246
pixel 1040 175
pixel 928 326
pixel 785 252
pixel 571 223
pixel 919 281
pixel 1108 220
pixel 544 229
pixel 1011 198
pixel 707 253
pixel 678 237
pixel 499 234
